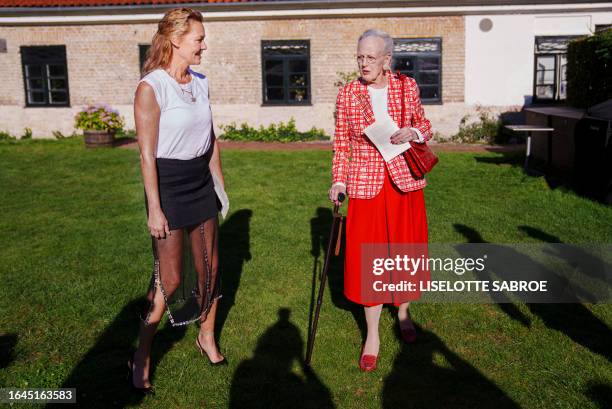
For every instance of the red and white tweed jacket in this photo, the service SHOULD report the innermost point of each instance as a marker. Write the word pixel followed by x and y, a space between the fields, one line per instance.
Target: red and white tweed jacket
pixel 357 163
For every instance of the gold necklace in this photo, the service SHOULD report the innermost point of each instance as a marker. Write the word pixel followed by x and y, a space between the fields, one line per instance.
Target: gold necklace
pixel 191 97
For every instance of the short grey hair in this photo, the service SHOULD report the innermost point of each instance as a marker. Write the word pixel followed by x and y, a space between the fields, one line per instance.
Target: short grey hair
pixel 373 32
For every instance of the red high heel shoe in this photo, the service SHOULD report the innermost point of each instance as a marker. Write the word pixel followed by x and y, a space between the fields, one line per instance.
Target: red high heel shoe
pixel 367 363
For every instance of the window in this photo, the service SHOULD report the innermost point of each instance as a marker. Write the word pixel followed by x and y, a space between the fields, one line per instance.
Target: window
pixel 602 27
pixel 550 82
pixel 286 72
pixel 142 54
pixel 421 59
pixel 45 76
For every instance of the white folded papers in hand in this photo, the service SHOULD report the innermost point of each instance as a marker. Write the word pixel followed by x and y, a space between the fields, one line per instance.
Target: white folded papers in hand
pixel 221 195
pixel 380 134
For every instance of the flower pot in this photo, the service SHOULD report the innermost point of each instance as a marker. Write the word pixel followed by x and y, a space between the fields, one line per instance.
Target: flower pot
pixel 99 139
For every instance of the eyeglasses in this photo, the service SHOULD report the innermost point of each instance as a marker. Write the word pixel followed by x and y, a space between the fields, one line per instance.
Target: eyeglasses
pixel 367 58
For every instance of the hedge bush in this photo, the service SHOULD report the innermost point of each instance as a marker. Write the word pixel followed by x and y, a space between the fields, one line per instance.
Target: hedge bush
pixel 487 129
pixel 589 70
pixel 273 133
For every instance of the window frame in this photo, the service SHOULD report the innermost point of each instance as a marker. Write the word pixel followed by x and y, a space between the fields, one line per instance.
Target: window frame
pixel 285 60
pixel 28 61
pixel 556 78
pixel 557 75
pixel 438 40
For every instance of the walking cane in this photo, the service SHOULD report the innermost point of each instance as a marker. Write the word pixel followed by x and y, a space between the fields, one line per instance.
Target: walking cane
pixel 336 231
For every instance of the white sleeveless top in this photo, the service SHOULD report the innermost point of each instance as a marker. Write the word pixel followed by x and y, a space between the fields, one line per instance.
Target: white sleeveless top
pixel 184 126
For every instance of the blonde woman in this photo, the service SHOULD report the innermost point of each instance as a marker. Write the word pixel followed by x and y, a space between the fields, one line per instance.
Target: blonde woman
pixel 179 154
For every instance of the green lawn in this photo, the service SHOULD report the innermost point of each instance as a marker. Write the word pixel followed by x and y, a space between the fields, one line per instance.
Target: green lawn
pixel 75 264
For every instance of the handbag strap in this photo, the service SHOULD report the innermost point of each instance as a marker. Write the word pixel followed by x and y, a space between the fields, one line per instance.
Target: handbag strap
pixel 403 117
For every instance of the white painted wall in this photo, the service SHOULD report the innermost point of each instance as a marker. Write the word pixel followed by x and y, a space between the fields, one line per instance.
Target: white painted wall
pixel 499 63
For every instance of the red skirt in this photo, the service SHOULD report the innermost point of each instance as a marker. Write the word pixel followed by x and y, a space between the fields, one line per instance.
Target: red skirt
pixel 392 216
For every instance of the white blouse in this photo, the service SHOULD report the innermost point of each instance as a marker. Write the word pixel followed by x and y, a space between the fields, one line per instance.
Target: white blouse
pixel 379 97
pixel 185 125
pixel 379 101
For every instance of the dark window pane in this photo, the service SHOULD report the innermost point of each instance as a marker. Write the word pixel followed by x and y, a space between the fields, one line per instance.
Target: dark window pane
pixel 428 78
pixel 276 80
pixel 57 84
pixel 430 63
pixel 429 92
pixel 57 70
pixel 274 72
pixel 34 70
pixel 298 80
pixel 407 63
pixel 142 54
pixel 35 84
pixel 275 94
pixel 36 97
pixel 59 97
pixel 298 94
pixel 298 66
pixel 274 67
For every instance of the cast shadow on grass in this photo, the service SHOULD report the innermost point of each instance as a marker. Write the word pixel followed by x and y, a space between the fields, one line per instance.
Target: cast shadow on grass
pixel 517 160
pixel 267 380
pixel 427 374
pixel 7 349
pixel 574 320
pixel 100 378
pixel 588 263
pixel 234 251
pixel 537 168
pixel 320 227
pixel 101 375
pixel 600 393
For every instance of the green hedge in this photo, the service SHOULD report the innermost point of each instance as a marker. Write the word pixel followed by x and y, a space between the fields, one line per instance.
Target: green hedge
pixel 273 133
pixel 589 70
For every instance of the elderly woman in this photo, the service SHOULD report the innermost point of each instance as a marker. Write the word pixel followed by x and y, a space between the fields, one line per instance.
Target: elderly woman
pixel 179 155
pixel 386 202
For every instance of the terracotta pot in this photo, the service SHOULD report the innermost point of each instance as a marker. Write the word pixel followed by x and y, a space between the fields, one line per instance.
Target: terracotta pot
pixel 99 139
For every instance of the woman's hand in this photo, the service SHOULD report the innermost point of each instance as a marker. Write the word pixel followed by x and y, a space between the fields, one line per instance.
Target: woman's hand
pixel 335 190
pixel 158 225
pixel 404 135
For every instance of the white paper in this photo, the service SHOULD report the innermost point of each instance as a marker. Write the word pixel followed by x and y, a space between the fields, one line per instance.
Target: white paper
pixel 380 134
pixel 220 192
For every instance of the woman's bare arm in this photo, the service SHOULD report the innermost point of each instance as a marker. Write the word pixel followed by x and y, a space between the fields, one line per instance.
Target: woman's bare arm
pixel 146 115
pixel 215 160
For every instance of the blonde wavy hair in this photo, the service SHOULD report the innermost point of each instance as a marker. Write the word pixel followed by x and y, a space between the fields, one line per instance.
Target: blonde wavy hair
pixel 173 25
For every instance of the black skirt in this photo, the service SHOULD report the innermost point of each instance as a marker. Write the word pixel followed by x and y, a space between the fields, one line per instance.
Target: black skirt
pixel 186 191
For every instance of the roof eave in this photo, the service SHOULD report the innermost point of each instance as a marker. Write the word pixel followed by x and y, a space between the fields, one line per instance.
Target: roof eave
pixel 274 5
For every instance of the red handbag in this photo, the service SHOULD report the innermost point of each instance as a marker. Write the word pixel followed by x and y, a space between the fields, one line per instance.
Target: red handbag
pixel 420 157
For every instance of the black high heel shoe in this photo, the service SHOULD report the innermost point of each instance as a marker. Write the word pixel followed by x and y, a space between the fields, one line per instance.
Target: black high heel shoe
pixel 222 362
pixel 130 379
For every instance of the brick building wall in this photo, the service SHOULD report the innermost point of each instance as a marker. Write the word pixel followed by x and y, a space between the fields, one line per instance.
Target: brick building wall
pixel 103 67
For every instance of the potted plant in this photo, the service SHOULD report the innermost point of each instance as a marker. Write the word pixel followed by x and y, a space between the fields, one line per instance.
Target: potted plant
pixel 99 124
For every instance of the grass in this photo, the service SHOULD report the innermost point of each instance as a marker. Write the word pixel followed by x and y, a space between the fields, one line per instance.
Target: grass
pixel 75 264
